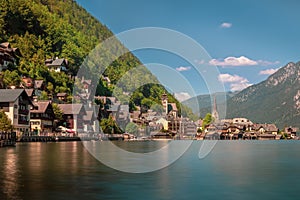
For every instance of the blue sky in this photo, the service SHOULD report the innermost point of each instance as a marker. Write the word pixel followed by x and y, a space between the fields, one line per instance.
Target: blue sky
pixel 248 40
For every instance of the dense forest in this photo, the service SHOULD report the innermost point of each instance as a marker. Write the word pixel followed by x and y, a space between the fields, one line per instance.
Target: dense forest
pixel 44 29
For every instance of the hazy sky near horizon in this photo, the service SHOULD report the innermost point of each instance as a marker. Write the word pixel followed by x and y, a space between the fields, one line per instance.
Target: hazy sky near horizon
pixel 247 40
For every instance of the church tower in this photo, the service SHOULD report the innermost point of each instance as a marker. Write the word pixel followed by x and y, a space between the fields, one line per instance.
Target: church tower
pixel 164 101
pixel 215 113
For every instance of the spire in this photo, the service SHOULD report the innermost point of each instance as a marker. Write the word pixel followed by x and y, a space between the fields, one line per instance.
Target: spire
pixel 164 100
pixel 215 113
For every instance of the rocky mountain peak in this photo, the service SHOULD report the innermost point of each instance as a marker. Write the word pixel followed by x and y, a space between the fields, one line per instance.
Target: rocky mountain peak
pixel 275 100
pixel 290 72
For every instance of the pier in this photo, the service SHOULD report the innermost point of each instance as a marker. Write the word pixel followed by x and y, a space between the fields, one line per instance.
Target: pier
pixel 7 139
pixel 36 138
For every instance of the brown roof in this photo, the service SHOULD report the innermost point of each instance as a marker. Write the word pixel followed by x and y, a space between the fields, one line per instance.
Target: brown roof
pixel 5 44
pixel 173 105
pixel 62 94
pixel 71 109
pixel 267 127
pixel 41 106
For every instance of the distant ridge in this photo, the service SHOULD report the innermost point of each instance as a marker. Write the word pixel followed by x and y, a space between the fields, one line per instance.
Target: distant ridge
pixel 275 100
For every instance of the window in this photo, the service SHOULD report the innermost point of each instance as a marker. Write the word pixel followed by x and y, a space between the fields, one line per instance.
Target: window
pixel 15 106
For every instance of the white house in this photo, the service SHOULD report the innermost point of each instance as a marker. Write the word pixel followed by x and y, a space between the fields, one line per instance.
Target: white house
pixel 16 104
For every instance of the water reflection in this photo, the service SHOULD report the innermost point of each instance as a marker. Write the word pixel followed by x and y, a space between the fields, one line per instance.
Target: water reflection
pixel 233 170
pixel 10 174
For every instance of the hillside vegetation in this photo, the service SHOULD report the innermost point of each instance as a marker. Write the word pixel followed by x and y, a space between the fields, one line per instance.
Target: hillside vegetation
pixel 43 29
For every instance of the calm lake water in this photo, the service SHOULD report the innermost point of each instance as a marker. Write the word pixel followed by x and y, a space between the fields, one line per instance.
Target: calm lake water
pixel 233 170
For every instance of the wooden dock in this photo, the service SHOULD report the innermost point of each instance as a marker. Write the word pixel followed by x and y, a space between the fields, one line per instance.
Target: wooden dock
pixel 7 139
pixel 36 138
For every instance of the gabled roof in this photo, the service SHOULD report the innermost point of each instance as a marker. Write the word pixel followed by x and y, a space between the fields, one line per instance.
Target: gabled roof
pixel 71 109
pixel 172 107
pixel 266 127
pixel 5 45
pixel 41 106
pixel 38 83
pixel 56 62
pixel 9 95
pixel 29 92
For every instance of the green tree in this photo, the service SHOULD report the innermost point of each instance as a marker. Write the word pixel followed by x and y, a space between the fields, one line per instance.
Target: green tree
pixel 58 114
pixel 5 122
pixel 108 125
pixel 11 78
pixel 43 96
pixel 132 128
pixel 207 120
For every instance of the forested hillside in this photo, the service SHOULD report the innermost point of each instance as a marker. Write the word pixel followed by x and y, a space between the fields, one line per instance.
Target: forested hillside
pixel 44 29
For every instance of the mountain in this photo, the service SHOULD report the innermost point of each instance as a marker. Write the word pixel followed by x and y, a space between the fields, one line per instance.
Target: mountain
pixel 275 100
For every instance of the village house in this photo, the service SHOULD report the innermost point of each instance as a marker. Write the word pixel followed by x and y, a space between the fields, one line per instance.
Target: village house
pixel 30 93
pixel 86 85
pixel 57 64
pixel 291 132
pixel 39 86
pixel 90 120
pixel 73 116
pixel 265 128
pixel 62 96
pixel 162 121
pixel 16 104
pixel 187 128
pixel 41 118
pixel 8 55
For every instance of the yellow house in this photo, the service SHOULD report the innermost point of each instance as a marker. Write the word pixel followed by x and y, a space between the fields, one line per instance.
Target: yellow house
pixel 163 122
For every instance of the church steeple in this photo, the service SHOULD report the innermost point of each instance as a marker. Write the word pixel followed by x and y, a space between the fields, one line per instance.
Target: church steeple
pixel 164 101
pixel 215 113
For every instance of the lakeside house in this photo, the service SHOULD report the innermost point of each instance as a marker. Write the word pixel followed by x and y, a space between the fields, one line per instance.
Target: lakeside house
pixel 41 118
pixel 16 104
pixel 73 116
pixel 291 132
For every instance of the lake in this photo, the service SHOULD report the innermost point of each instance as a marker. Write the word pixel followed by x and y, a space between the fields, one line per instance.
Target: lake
pixel 232 170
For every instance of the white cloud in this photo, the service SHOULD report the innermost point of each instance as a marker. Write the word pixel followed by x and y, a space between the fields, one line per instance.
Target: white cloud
pixel 236 82
pixel 226 25
pixel 182 96
pixel 234 61
pixel 181 69
pixel 268 71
